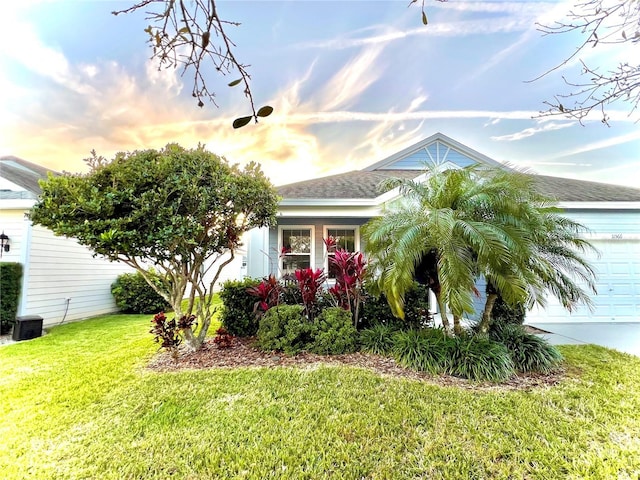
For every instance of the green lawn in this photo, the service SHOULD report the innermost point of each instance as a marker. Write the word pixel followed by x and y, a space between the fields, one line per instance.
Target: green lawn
pixel 79 404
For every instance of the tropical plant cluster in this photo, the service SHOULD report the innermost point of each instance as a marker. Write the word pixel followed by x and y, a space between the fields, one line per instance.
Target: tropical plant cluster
pixel 462 225
pixel 306 315
pixel 248 306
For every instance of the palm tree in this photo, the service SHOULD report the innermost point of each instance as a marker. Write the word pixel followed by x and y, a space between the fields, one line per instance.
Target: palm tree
pixel 460 224
pixel 465 221
pixel 555 267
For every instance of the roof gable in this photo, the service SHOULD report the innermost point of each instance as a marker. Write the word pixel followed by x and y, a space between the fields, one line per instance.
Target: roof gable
pixel 438 149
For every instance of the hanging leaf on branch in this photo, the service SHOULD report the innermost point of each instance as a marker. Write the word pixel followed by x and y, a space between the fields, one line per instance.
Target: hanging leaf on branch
pixel 191 35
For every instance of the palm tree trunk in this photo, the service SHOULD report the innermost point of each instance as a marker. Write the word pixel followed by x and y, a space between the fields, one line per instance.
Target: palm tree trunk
pixel 485 323
pixel 457 328
pixel 443 313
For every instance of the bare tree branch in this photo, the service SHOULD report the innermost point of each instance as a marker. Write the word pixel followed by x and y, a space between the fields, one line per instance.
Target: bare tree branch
pixel 602 22
pixel 190 36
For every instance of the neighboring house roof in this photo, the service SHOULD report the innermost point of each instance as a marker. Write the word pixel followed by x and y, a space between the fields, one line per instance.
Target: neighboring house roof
pixel 440 149
pixel 23 174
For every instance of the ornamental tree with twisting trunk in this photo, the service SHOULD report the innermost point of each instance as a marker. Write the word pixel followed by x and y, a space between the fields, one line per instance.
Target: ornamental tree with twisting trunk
pixel 181 212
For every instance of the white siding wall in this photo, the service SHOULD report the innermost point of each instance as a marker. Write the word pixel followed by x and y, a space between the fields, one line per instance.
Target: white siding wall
pixel 13 223
pixel 64 281
pixel 257 253
pixel 235 270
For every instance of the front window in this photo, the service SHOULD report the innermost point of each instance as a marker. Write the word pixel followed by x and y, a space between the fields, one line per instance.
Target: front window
pixel 345 238
pixel 295 248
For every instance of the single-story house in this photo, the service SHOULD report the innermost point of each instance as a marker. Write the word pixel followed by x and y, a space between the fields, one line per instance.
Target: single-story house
pixel 339 205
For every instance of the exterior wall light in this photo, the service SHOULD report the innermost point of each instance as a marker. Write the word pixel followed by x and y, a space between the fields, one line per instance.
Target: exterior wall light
pixel 4 243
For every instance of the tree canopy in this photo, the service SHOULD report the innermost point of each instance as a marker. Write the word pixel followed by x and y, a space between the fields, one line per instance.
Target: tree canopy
pixel 182 212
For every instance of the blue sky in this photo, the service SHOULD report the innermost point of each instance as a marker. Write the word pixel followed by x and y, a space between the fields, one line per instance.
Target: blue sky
pixel 351 83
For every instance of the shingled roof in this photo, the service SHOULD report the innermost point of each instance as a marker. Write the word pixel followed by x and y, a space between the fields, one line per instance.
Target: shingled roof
pixel 363 184
pixel 355 184
pixel 24 174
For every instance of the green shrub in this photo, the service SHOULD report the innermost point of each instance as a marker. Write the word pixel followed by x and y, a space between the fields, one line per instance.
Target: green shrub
pixel 416 309
pixel 376 310
pixel 291 294
pixel 409 348
pixel 333 332
pixel 10 286
pixel 505 314
pixel 285 328
pixel 529 352
pixel 377 339
pixel 479 358
pixel 238 311
pixel 133 294
pixel 428 350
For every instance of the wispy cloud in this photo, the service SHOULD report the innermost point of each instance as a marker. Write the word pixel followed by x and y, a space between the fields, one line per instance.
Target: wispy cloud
pixel 530 132
pixel 499 57
pixel 493 121
pixel 42 59
pixel 502 17
pixel 445 29
pixel 355 116
pixel 515 8
pixel 609 142
pixel 561 164
pixel 386 136
pixel 356 76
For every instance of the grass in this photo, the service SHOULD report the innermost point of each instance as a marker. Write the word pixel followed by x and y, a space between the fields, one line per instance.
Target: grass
pixel 78 403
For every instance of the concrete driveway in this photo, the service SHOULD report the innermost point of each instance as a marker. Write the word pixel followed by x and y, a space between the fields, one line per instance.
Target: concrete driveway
pixel 624 337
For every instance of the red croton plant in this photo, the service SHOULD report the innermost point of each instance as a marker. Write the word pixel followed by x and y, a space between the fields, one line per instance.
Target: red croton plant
pixel 349 271
pixel 310 284
pixel 347 292
pixel 168 333
pixel 268 293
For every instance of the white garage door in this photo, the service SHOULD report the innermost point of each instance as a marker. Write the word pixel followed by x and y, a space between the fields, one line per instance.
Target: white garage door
pixel 618 284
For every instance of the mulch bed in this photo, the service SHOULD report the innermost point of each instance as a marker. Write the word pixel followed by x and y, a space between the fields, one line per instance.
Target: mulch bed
pixel 243 354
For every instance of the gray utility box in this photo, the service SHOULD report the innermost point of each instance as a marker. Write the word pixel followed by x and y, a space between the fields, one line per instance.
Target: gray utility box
pixel 27 327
